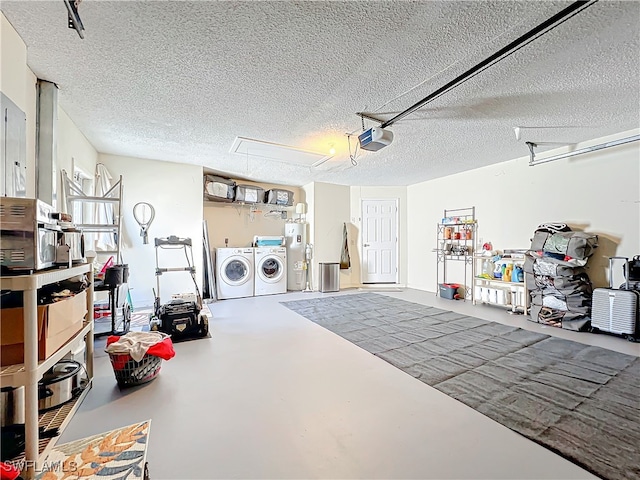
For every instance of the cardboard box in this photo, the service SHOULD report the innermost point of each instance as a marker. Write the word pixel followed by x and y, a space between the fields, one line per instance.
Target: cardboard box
pixel 57 323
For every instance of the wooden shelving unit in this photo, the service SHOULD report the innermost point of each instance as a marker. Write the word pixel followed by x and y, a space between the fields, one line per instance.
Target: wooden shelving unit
pixel 518 301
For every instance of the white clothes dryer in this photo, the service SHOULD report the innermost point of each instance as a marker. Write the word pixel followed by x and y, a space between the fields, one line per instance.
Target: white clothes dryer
pixel 234 272
pixel 271 270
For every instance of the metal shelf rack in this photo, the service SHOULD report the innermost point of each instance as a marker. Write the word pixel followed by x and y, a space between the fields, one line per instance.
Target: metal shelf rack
pixel 73 193
pixel 456 234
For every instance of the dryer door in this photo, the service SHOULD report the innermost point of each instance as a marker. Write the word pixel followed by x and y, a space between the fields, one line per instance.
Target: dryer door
pixel 271 269
pixel 235 271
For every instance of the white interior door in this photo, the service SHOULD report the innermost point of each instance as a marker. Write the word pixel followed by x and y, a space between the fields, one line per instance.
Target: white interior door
pixel 380 241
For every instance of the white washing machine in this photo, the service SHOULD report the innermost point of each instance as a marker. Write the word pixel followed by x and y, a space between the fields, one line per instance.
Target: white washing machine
pixel 271 270
pixel 234 272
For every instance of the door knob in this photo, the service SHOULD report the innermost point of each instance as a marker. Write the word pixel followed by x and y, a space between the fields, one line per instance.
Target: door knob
pixel 366 244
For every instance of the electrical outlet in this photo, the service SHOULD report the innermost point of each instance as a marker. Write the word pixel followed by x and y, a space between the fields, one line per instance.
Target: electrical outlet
pixel 283 215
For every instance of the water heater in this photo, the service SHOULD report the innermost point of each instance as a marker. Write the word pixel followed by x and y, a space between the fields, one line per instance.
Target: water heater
pixel 295 240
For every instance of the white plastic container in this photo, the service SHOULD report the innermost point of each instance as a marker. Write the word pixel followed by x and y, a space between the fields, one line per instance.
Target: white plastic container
pixel 493 295
pixel 78 353
pixel 478 292
pixel 484 295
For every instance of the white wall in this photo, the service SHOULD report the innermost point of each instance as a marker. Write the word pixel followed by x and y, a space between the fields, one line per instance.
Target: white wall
pixel 18 83
pixel 235 222
pixel 597 192
pixel 309 194
pixel 175 191
pixel 329 209
pixel 355 228
pixel 73 150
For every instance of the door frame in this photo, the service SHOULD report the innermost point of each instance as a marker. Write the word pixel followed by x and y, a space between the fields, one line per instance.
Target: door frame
pixel 397 232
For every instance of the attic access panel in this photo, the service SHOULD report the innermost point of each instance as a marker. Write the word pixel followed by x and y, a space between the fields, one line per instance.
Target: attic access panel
pixel 249 147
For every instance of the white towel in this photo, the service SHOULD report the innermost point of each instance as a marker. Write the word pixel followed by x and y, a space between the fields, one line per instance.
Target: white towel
pixel 136 344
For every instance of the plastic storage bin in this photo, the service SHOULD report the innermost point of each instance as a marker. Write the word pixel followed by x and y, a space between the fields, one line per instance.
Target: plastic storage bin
pixel 449 290
pixel 329 277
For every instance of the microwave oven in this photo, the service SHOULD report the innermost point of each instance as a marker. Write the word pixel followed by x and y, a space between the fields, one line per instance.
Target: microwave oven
pixel 28 234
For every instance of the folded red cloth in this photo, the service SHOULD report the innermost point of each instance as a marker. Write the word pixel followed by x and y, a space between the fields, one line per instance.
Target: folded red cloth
pixel 8 472
pixel 163 349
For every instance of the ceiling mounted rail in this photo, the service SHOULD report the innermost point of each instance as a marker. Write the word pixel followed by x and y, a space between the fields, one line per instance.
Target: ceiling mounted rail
pixel 368 116
pixel 504 52
pixel 533 162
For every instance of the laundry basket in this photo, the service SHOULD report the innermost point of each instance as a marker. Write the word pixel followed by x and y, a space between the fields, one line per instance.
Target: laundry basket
pixel 128 372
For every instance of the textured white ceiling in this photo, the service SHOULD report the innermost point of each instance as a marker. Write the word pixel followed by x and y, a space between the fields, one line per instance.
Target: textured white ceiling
pixel 179 81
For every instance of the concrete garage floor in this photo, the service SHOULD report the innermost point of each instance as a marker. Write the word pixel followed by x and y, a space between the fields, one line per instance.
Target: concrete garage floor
pixel 273 395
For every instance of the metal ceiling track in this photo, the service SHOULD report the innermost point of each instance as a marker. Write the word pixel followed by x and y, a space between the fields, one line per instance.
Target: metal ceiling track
pixel 533 162
pixel 504 52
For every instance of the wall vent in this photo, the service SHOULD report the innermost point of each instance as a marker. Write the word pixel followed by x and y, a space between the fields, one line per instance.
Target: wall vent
pixel 17 256
pixel 18 211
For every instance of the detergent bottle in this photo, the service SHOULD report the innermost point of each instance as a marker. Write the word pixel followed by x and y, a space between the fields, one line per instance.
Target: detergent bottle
pixel 506 275
pixel 497 271
pixel 487 269
pixel 518 274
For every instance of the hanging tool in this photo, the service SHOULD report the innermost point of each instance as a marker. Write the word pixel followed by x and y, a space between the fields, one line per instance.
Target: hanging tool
pixel 144 213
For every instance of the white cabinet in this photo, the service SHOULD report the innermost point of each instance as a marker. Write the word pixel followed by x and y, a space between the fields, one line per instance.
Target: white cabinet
pixel 495 291
pixel 30 373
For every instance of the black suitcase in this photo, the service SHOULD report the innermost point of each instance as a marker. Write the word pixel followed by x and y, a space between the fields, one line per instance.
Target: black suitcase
pixel 181 319
pixel 616 311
